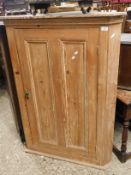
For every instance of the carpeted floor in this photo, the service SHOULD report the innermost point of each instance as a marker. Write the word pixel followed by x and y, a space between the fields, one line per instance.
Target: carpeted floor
pixel 14 160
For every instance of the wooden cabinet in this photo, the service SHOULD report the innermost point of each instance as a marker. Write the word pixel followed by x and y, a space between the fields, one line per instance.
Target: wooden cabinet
pixel 124 77
pixel 66 75
pixel 128 26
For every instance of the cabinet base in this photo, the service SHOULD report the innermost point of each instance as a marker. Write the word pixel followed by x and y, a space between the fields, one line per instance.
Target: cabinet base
pixel 66 159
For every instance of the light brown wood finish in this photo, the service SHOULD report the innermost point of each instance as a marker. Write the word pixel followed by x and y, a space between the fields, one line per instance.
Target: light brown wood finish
pixel 68 70
pixel 112 74
pixel 41 84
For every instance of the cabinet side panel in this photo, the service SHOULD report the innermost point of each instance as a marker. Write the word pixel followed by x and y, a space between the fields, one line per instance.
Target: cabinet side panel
pixel 112 75
pixel 109 45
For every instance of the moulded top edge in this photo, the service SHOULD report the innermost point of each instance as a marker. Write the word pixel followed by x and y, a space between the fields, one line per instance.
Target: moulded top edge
pixel 72 14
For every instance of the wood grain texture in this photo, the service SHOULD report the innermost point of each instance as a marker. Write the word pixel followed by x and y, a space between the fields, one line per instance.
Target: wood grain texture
pixel 111 90
pixel 92 88
pixel 71 77
pixel 73 134
pixel 101 90
pixel 124 77
pixel 19 84
pixel 42 89
pixel 74 79
pixel 25 21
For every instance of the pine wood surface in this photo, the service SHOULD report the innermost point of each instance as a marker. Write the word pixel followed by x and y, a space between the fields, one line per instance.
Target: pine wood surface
pixel 69 70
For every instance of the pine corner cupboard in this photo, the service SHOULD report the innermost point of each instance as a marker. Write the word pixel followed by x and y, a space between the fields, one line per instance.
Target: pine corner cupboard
pixel 65 70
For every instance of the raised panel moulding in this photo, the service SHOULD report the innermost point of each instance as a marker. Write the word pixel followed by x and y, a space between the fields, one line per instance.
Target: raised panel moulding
pixel 42 89
pixel 75 77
